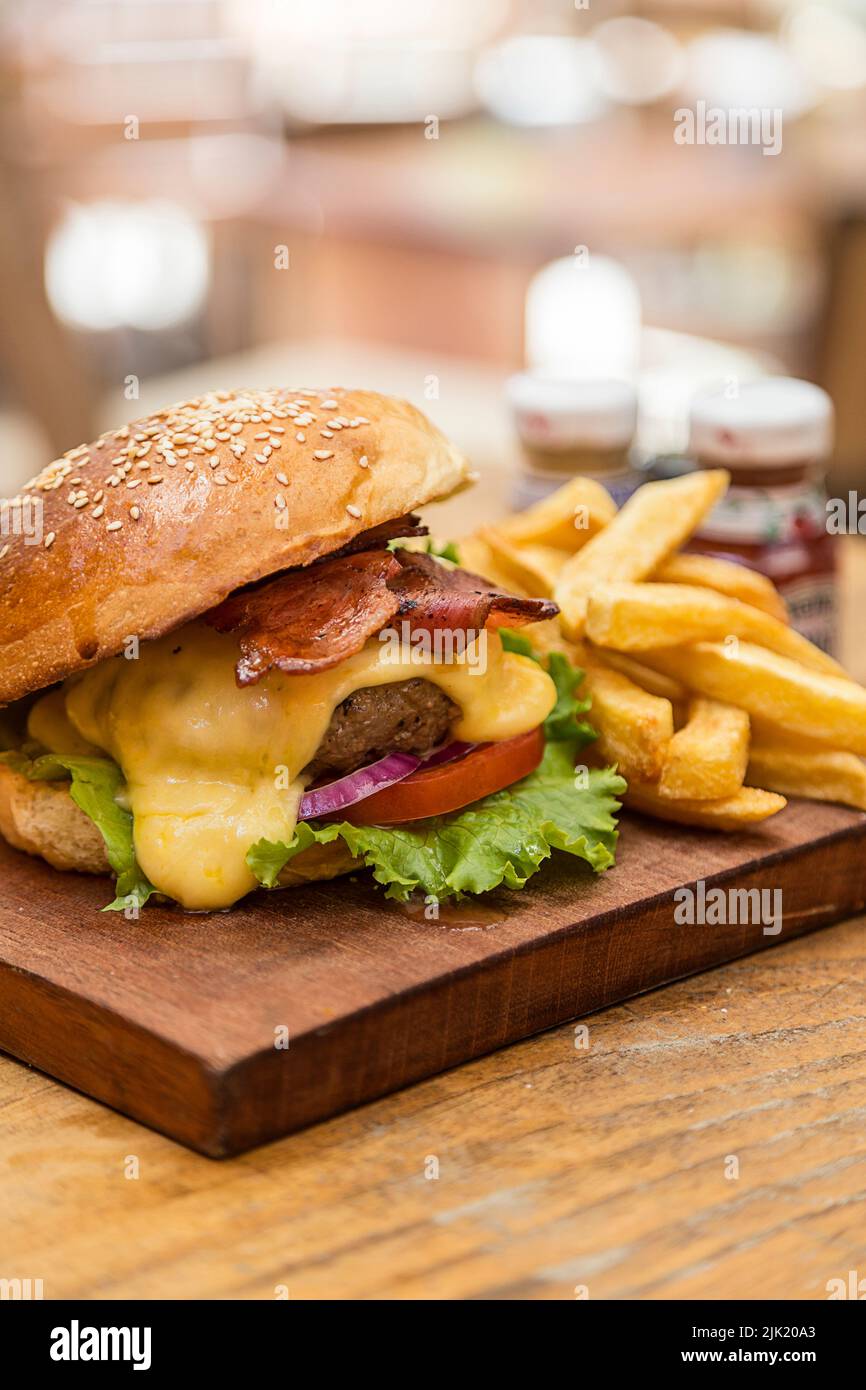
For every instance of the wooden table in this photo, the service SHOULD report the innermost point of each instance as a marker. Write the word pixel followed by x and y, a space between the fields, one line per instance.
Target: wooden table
pixel 607 1167
pixel 603 1166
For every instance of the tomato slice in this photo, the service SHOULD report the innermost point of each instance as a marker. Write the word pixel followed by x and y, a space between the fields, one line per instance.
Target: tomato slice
pixel 434 791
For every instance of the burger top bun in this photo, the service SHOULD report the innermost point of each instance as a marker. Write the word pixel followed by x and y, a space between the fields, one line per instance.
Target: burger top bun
pixel 155 523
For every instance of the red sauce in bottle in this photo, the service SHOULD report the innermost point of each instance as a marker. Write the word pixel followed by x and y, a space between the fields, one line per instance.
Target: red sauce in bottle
pixel 774 436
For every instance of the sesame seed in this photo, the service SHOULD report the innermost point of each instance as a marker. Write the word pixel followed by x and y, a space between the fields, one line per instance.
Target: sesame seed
pixel 153 481
pixel 80 502
pixel 133 482
pixel 281 478
pixel 353 511
pixel 190 467
pixel 209 444
pixel 323 454
pixel 49 539
pixel 98 496
pixel 364 461
pixel 114 525
pixel 326 434
pixel 4 552
pixel 135 513
pixel 263 434
pixel 301 437
pixel 261 458
pixel 97 512
pixel 220 480
pixel 329 404
pixel 280 502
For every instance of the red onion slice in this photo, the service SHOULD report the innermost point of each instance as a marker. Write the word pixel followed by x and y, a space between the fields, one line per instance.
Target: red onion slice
pixel 449 754
pixel 355 786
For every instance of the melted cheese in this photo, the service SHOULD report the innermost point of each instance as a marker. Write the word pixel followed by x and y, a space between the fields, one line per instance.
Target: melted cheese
pixel 211 769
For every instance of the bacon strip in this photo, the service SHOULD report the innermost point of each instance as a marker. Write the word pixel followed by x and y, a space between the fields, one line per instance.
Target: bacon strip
pixel 378 536
pixel 432 596
pixel 312 619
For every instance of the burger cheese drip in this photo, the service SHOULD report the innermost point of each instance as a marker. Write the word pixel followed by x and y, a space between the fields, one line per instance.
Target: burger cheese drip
pixel 211 768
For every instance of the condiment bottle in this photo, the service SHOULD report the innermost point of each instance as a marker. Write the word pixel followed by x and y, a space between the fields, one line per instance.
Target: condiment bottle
pixel 569 427
pixel 775 435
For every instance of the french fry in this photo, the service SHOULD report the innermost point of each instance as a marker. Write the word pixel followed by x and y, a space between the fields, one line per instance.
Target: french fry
pixel 535 567
pixel 709 572
pixel 634 727
pixel 654 681
pixel 797 769
pixel 566 519
pixel 476 555
pixel 652 524
pixel 747 807
pixel 706 759
pixel 781 692
pixel 638 617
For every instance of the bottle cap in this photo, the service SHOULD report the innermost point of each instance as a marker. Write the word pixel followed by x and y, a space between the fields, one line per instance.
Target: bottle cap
pixel 561 413
pixel 772 422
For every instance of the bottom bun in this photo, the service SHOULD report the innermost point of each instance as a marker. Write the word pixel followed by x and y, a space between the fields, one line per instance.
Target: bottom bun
pixel 42 819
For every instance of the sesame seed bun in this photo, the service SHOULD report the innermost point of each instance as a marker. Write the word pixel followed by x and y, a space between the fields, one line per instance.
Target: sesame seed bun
pixel 155 523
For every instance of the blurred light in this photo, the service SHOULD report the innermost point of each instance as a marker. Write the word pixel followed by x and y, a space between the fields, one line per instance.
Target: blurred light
pixel 829 45
pixel 675 366
pixel 338 62
pixel 638 61
pixel 336 24
pixel 583 319
pixel 540 80
pixel 369 85
pixel 138 265
pixel 732 69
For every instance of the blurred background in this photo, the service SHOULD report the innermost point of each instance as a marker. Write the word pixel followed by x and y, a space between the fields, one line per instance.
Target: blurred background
pixel 398 193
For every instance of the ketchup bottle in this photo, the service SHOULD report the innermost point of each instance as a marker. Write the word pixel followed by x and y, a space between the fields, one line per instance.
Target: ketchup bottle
pixel 774 435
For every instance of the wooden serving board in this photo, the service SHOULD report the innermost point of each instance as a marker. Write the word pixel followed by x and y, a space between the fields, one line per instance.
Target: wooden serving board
pixel 173 1019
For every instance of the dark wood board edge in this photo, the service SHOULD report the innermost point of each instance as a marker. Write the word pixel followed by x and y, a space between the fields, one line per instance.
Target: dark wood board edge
pixel 537 986
pixel 37 1017
pixel 487 1004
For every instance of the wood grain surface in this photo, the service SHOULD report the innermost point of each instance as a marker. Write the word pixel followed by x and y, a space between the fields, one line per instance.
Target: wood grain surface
pixel 558 1167
pixel 225 1031
pixel 602 1166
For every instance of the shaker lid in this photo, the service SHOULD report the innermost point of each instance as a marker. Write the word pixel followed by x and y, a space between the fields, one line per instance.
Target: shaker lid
pixel 567 413
pixel 772 422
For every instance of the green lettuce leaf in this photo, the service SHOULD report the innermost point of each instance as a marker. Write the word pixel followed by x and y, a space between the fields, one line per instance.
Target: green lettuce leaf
pixel 95 784
pixel 503 839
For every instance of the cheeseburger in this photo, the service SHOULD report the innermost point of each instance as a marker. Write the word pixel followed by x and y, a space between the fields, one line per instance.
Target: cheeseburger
pixel 231 659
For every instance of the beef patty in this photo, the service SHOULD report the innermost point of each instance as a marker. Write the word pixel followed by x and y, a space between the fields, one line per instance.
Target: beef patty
pixel 407 717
